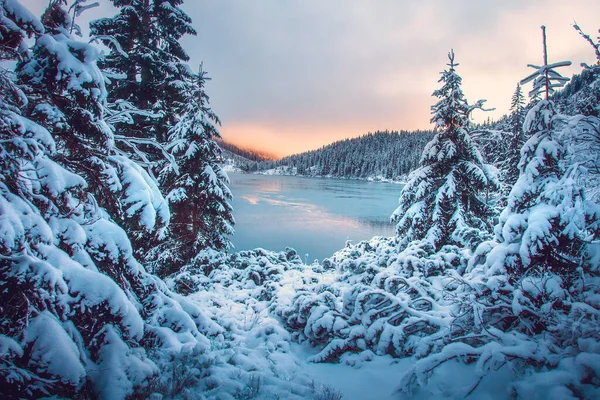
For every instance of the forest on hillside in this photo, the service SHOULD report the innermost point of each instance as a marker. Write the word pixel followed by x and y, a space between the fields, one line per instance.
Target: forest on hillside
pixel 116 279
pixel 384 154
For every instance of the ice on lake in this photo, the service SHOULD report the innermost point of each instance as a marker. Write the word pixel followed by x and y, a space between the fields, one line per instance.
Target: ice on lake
pixel 316 216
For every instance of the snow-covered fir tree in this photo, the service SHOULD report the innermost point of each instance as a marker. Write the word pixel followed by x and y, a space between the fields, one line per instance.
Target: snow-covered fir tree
pixel 583 96
pixel 146 62
pixel 70 98
pixel 547 215
pixel 500 143
pixel 445 199
pixel 517 109
pixel 545 78
pixel 146 67
pixel 198 194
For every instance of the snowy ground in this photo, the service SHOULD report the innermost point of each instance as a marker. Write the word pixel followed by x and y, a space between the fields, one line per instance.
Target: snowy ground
pixel 378 379
pixel 275 355
pixel 241 293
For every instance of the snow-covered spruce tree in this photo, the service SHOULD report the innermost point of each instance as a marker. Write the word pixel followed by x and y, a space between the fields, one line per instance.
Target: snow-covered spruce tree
pixel 70 98
pixel 78 312
pixel 147 61
pixel 587 100
pixel 517 110
pixel 147 69
pixel 500 145
pixel 50 304
pixel 444 201
pixel 583 97
pixel 198 193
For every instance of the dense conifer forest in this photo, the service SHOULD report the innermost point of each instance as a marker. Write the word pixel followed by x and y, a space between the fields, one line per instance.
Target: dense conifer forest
pixel 383 154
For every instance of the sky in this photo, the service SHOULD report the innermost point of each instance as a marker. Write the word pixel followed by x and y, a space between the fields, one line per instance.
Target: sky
pixel 293 75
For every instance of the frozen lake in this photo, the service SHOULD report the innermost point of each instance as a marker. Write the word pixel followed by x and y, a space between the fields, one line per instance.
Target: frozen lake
pixel 313 215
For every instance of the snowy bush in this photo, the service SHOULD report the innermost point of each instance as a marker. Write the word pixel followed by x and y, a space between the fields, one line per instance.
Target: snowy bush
pixel 252 355
pixel 376 303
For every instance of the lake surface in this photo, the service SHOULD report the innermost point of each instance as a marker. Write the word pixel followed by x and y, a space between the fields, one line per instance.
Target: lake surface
pixel 313 215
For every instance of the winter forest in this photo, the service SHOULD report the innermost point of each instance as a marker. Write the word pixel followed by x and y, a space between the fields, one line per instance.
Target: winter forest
pixel 118 281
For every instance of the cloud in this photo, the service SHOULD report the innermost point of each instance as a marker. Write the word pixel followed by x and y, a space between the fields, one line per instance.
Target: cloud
pixel 354 63
pixel 284 69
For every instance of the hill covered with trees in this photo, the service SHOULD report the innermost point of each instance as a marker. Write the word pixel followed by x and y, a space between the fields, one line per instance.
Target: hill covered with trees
pixel 382 155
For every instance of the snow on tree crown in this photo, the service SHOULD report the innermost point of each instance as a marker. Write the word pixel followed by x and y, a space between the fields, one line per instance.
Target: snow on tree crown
pixel 452 109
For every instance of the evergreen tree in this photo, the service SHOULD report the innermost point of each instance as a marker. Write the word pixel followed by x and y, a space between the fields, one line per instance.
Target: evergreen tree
pixel 198 193
pixel 547 214
pixel 444 201
pixel 70 98
pixel 587 101
pixel 146 62
pixel 514 142
pixel 545 79
pixel 595 45
pixel 146 70
pixel 517 109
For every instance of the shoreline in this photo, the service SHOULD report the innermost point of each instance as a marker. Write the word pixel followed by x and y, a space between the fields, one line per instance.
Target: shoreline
pixel 228 168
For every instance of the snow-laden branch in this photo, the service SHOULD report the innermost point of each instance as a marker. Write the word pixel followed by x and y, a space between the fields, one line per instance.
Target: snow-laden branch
pixel 111 40
pixel 133 142
pixel 478 106
pixel 588 38
pixel 122 111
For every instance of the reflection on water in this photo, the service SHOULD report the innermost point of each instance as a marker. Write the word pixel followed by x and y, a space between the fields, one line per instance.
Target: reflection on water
pixel 315 216
pixel 251 199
